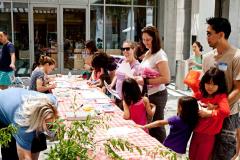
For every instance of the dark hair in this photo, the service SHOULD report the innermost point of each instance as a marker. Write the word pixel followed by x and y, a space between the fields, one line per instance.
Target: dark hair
pixel 156 42
pixel 140 49
pixel 130 91
pixel 189 111
pixel 5 33
pixel 102 60
pixel 90 44
pixel 217 77
pixel 199 45
pixel 220 24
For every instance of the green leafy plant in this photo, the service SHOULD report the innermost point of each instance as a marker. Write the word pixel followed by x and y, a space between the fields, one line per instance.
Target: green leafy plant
pixel 113 145
pixel 76 141
pixel 5 135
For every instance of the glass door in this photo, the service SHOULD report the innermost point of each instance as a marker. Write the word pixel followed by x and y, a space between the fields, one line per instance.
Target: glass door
pixel 44 33
pixel 73 36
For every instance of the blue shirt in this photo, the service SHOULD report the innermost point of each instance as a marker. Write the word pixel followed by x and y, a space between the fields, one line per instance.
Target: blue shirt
pixel 5 57
pixel 10 101
pixel 179 135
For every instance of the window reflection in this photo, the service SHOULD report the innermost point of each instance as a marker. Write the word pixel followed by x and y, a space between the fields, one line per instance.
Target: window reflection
pixel 45 32
pixel 5 19
pixel 118 28
pixel 144 2
pixel 119 2
pixel 140 22
pixel 21 38
pixel 97 25
pixel 74 32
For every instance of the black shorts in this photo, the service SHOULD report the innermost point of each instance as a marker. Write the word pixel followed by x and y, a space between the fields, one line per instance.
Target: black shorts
pixel 10 153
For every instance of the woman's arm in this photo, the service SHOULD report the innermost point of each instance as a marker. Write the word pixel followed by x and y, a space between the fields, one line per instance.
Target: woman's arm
pixel 126 112
pixel 114 80
pixel 23 154
pixel 147 106
pixel 41 88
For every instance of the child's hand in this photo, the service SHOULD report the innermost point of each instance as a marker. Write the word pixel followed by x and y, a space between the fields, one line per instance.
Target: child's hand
pixel 211 106
pixel 138 126
pixel 53 86
pixel 204 113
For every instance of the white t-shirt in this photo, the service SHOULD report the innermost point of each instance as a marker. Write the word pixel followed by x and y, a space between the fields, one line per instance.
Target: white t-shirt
pixel 151 62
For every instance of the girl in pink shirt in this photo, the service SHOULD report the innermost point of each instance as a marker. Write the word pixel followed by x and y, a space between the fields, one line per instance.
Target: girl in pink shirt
pixel 135 106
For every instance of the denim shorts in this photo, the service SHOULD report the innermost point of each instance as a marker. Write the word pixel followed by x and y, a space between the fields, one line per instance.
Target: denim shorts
pixel 6 78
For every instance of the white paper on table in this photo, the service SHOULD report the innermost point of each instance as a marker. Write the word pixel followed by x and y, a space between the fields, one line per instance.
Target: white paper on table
pixel 112 91
pixel 120 131
pixel 126 69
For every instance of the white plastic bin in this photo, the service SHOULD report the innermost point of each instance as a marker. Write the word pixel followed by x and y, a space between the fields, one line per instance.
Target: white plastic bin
pixel 181 72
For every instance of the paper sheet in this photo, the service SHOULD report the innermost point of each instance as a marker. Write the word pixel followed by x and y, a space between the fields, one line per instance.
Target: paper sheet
pixel 113 92
pixel 126 69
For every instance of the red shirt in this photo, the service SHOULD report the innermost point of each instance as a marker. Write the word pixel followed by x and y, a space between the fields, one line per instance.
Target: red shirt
pixel 213 125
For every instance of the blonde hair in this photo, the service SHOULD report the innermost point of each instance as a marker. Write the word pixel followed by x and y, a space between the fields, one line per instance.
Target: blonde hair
pixel 132 44
pixel 34 112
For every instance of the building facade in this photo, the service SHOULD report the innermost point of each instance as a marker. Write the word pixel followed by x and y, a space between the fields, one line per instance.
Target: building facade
pixel 58 28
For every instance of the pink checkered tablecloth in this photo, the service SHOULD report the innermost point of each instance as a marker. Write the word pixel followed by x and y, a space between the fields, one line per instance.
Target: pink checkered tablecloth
pixel 71 91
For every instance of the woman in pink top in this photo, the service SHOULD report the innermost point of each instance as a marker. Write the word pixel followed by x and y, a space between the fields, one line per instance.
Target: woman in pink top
pixel 135 107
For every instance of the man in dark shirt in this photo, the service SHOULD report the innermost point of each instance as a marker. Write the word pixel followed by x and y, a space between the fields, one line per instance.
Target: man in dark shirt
pixel 7 61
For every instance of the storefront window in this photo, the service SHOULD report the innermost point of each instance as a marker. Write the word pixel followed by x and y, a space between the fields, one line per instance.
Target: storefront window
pixel 142 17
pixel 21 38
pixel 45 32
pixel 5 18
pixel 118 2
pixel 118 28
pixel 96 31
pixel 97 2
pixel 74 32
pixel 144 2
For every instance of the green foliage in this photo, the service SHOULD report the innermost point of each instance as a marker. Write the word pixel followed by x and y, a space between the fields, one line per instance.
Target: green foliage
pixel 113 145
pixel 5 135
pixel 77 140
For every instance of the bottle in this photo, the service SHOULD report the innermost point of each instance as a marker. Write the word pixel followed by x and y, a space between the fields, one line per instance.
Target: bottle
pixel 69 74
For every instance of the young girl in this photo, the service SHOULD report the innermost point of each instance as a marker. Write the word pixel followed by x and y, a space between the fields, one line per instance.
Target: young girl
pixel 135 107
pixel 182 124
pixel 39 80
pixel 212 95
pixel 100 70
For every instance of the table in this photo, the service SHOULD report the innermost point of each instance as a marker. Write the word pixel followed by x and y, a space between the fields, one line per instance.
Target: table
pixel 73 88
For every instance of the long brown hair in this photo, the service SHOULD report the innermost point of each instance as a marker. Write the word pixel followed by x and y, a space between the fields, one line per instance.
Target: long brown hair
pixel 156 42
pixel 45 59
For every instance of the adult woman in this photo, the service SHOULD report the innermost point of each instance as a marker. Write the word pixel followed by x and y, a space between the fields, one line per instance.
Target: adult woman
pixel 155 60
pixel 90 49
pixel 31 112
pixel 195 62
pixel 39 80
pixel 128 52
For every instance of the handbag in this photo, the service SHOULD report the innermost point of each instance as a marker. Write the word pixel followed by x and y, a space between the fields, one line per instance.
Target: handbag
pixel 192 79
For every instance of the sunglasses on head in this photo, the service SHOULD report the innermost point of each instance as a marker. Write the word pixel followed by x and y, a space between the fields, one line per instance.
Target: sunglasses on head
pixel 125 49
